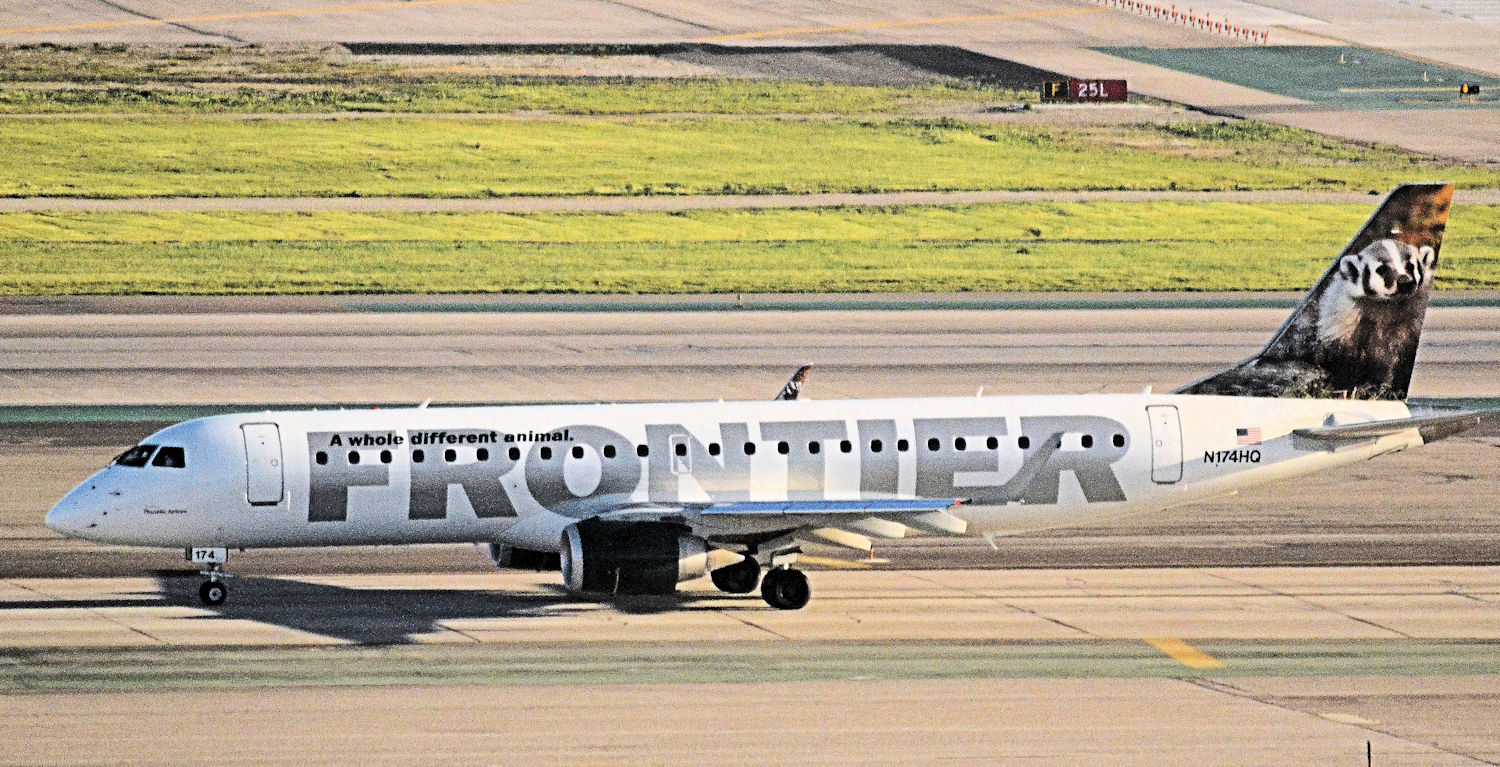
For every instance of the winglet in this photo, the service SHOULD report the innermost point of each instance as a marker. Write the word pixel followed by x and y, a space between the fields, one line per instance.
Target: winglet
pixel 794 384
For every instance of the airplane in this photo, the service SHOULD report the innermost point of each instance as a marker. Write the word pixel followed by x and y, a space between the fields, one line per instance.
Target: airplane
pixel 638 498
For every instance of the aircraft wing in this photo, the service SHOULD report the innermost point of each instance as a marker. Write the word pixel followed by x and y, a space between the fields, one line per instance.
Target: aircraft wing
pixel 851 523
pixel 1431 426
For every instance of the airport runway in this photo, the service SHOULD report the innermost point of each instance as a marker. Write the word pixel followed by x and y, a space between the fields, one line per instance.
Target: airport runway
pixel 1135 667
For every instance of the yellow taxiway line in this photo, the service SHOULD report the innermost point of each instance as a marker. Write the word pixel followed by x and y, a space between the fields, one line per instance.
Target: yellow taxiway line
pixel 1184 653
pixel 893 24
pixel 233 16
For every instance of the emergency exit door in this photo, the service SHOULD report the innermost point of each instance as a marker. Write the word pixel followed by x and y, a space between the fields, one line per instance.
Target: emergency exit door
pixel 263 478
pixel 1166 444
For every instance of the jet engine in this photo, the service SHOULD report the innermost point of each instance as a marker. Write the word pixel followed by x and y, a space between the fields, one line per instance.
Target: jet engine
pixel 605 557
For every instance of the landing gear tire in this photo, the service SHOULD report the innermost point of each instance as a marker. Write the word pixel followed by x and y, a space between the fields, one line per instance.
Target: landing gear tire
pixel 740 578
pixel 786 589
pixel 213 593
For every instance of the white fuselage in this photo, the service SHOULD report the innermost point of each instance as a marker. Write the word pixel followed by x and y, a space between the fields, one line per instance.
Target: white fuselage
pixel 520 474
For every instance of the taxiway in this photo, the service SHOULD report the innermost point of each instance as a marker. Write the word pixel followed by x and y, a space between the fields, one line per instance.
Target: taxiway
pixel 1164 667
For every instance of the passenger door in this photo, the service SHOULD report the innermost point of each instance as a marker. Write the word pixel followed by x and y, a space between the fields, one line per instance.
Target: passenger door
pixel 1166 444
pixel 264 485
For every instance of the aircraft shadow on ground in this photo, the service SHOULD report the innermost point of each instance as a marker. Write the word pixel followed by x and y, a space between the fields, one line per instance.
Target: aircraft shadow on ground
pixel 369 616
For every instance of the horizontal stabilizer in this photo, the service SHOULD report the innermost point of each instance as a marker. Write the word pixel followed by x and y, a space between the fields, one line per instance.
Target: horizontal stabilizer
pixel 1431 427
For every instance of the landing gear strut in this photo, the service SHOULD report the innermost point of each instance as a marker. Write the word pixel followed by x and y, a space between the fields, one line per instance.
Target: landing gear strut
pixel 785 589
pixel 739 578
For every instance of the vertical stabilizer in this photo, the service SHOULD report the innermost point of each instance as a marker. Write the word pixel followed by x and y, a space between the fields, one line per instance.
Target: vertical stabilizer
pixel 1356 333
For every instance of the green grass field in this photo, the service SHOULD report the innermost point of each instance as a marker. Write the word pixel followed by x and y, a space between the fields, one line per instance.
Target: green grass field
pixel 278 80
pixel 620 96
pixel 1079 246
pixel 590 136
pixel 483 158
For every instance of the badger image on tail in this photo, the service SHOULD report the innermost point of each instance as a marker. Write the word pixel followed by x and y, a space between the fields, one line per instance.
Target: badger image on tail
pixel 1355 335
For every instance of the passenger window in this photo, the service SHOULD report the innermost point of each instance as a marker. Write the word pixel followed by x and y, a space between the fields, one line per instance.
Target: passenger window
pixel 902 446
pixel 783 448
pixel 642 451
pixel 482 454
pixel 135 457
pixel 546 453
pixel 609 451
pixel 322 458
pixel 933 444
pixel 1088 441
pixel 960 444
pixel 417 456
pixel 1119 440
pixel 749 448
pixel 814 447
pixel 846 447
pixel 713 448
pixel 875 446
pixel 450 455
pixel 992 443
pixel 171 458
pixel 578 451
pixel 1023 442
pixel 514 453
pixel 353 457
pixel 385 456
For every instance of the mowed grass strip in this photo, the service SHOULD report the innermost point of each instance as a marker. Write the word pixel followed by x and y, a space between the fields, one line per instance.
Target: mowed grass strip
pixel 1323 225
pixel 581 96
pixel 197 157
pixel 1081 246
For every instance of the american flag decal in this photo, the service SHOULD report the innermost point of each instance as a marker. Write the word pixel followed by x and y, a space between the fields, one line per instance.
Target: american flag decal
pixel 1250 436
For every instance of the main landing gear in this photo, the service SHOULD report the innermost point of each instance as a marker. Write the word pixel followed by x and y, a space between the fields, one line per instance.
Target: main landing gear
pixel 785 589
pixel 740 578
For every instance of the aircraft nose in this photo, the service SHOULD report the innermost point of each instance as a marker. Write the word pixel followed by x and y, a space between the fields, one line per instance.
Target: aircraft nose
pixel 69 517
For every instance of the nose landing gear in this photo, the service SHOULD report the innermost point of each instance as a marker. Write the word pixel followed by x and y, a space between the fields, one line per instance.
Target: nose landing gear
pixel 213 592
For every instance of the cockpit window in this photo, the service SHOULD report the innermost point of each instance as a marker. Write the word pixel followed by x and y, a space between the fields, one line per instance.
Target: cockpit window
pixel 135 457
pixel 170 457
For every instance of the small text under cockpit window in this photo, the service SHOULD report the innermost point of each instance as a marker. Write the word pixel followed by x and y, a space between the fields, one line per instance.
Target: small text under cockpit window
pixel 171 458
pixel 135 457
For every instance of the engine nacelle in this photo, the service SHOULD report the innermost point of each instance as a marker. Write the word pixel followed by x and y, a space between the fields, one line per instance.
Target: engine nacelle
pixel 603 557
pixel 506 556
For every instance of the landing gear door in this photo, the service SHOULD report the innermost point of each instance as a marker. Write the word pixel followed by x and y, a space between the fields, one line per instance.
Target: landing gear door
pixel 264 485
pixel 1166 444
